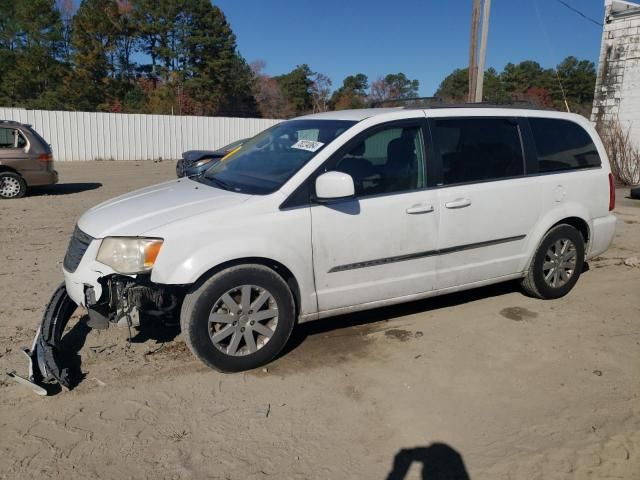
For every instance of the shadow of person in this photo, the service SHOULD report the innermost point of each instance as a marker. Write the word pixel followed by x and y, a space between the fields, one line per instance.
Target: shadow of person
pixel 63 188
pixel 439 462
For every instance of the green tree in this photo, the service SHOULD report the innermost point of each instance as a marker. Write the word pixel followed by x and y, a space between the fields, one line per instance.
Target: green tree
pixel 31 54
pixel 518 79
pixel 91 86
pixel 528 82
pixel 455 86
pixel 296 87
pixel 394 86
pixel 194 59
pixel 217 75
pixel 352 93
pixel 578 79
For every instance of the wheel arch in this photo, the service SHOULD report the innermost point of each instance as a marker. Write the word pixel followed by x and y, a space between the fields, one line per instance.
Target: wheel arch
pixel 7 168
pixel 573 215
pixel 279 268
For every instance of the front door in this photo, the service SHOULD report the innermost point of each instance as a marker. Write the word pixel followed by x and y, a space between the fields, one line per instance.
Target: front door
pixel 381 244
pixel 487 205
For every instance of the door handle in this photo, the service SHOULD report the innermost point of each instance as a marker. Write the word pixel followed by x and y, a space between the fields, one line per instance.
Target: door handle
pixel 458 203
pixel 419 209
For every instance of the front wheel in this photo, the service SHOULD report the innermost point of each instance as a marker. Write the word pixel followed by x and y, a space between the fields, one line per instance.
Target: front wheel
pixel 238 319
pixel 556 265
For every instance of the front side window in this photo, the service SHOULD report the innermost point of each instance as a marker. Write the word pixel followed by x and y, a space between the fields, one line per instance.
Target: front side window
pixel 388 161
pixel 563 145
pixel 268 160
pixel 478 149
pixel 7 138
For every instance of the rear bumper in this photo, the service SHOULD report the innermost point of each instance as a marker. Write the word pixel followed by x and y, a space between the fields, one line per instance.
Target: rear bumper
pixel 604 229
pixel 42 178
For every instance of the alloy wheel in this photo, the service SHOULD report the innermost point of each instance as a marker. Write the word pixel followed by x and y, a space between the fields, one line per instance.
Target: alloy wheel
pixel 243 320
pixel 559 263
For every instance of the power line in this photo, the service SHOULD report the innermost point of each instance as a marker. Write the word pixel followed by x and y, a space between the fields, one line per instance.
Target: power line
pixel 550 46
pixel 575 10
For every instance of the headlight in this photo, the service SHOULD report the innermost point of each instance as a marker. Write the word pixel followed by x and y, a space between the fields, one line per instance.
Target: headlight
pixel 129 255
pixel 200 163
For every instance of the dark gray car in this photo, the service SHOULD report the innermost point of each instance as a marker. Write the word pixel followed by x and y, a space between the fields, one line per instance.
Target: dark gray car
pixel 196 162
pixel 26 160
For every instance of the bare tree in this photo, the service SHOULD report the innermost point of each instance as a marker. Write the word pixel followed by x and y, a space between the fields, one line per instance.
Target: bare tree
pixel 272 102
pixel 320 91
pixel 380 90
pixel 623 154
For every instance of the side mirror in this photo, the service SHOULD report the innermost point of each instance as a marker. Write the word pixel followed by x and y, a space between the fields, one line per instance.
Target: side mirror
pixel 334 186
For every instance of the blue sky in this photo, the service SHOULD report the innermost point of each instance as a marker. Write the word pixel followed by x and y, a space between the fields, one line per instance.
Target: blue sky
pixel 425 39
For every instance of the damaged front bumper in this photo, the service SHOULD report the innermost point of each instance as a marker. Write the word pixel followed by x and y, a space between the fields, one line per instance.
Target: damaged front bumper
pixel 44 356
pixel 107 296
pixel 121 301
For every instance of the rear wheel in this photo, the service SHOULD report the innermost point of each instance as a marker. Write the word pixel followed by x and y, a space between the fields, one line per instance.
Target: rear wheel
pixel 557 263
pixel 239 319
pixel 12 185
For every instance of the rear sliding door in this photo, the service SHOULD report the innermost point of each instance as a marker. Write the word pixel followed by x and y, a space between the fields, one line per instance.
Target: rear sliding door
pixel 487 206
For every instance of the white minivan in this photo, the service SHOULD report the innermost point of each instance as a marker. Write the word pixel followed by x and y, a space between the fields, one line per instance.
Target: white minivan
pixel 343 211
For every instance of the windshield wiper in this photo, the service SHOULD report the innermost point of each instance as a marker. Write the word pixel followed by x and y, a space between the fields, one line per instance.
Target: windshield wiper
pixel 219 183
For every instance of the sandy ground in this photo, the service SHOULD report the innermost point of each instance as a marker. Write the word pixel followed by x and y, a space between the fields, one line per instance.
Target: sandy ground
pixel 487 384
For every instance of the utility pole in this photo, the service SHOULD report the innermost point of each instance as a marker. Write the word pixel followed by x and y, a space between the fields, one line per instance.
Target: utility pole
pixel 473 51
pixel 486 10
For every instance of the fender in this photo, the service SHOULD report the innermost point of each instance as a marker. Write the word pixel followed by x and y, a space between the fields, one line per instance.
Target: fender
pixel 183 261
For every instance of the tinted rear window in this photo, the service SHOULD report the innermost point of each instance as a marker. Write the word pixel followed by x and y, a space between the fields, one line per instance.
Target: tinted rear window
pixel 478 149
pixel 562 145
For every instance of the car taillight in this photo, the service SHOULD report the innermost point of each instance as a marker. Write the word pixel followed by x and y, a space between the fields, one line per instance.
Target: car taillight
pixel 46 159
pixel 612 192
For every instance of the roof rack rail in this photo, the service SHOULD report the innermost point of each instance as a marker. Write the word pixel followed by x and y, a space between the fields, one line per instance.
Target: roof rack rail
pixel 406 102
pixel 514 105
pixel 438 102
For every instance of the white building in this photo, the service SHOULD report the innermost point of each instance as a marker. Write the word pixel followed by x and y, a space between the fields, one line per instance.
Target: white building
pixel 617 95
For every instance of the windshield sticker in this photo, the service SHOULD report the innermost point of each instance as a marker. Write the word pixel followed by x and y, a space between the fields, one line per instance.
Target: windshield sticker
pixel 308 145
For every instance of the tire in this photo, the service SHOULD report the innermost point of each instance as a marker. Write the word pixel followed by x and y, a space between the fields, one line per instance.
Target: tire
pixel 12 185
pixel 545 278
pixel 224 345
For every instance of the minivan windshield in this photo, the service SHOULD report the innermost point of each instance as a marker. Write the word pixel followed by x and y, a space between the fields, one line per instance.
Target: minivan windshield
pixel 265 162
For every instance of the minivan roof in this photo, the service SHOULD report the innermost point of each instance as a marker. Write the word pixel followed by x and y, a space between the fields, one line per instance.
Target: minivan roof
pixel 474 109
pixel 12 123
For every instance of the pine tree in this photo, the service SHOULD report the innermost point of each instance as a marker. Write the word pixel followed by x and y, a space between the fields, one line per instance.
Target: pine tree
pixel 31 54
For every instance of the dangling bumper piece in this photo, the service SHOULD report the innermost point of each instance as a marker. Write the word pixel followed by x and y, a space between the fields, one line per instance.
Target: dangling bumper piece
pixel 44 357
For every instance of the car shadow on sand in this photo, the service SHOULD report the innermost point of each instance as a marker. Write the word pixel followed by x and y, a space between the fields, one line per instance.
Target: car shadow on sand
pixel 383 314
pixel 438 462
pixel 69 353
pixel 63 189
pixel 74 339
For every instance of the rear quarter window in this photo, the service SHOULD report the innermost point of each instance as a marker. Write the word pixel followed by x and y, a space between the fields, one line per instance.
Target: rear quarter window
pixel 563 145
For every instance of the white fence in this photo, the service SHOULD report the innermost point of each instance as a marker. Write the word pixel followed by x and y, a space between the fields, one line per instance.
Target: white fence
pixel 122 136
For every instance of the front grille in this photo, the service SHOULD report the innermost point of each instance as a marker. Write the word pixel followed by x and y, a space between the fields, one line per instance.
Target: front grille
pixel 77 246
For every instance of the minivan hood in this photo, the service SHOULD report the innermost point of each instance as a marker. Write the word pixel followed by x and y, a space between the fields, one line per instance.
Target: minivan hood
pixel 137 212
